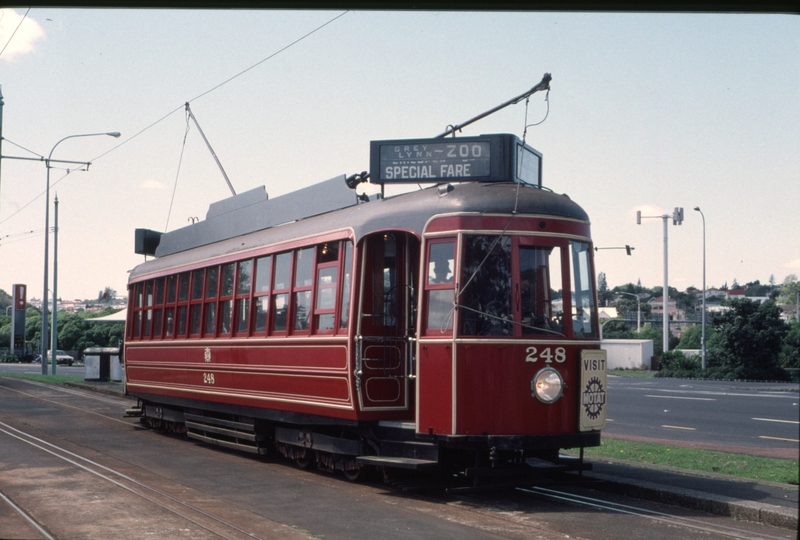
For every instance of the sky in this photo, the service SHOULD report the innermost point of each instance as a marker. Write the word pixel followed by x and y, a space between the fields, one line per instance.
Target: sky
pixel 646 112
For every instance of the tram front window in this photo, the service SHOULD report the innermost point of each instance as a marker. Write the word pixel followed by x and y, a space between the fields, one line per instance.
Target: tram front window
pixel 485 298
pixel 513 287
pixel 540 283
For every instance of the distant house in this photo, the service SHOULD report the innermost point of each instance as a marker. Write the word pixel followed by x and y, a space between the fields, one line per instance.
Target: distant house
pixel 657 306
pixel 715 293
pixel 789 312
pixel 607 313
pixel 733 294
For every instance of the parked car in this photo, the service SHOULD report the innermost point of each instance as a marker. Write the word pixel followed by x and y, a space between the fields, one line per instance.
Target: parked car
pixel 61 358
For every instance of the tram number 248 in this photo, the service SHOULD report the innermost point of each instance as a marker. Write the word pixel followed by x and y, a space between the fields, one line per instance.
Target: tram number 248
pixel 548 354
pixel 208 378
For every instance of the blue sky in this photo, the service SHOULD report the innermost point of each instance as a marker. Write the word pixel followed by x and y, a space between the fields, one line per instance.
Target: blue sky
pixel 647 112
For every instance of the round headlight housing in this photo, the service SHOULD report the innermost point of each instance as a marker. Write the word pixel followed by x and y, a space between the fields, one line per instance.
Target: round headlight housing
pixel 547 386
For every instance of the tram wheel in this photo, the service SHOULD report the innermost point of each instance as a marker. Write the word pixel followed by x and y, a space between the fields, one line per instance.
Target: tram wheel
pixel 355 473
pixel 305 462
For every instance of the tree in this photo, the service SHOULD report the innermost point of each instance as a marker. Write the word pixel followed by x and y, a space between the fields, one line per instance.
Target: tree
pixel 750 340
pixel 603 294
pixel 789 290
pixel 106 295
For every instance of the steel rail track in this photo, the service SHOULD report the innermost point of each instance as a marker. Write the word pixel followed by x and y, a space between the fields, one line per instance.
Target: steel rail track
pixel 670 519
pixel 27 517
pixel 187 511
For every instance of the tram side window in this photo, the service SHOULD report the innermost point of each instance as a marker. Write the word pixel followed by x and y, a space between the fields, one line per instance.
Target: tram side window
pixel 343 319
pixel 327 284
pixel 212 283
pixel 243 297
pixel 158 311
pixel 439 286
pixel 196 307
pixel 169 311
pixel 583 305
pixel 485 297
pixel 261 292
pixel 137 310
pixel 280 288
pixel 304 275
pixel 147 318
pixel 183 299
pixel 226 298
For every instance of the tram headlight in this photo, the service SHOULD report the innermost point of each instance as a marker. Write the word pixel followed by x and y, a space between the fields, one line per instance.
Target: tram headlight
pixel 547 386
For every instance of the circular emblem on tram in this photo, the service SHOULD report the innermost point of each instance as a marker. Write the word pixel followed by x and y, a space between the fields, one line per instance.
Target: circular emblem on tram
pixel 207 354
pixel 594 398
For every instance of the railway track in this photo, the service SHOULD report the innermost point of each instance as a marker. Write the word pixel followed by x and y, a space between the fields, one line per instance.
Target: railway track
pixel 182 509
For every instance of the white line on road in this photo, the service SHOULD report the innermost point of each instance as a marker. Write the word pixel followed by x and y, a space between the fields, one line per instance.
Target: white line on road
pixel 679 397
pixel 777 438
pixel 773 420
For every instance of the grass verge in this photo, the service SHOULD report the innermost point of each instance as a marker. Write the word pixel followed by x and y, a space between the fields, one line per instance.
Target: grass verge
pixel 740 465
pixel 49 379
pixel 633 373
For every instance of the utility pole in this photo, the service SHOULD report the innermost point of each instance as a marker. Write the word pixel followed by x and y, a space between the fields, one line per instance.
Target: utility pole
pixel 677 219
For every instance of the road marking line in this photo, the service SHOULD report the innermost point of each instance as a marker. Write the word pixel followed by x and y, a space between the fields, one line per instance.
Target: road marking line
pixel 678 397
pixel 773 420
pixel 777 439
pixel 679 427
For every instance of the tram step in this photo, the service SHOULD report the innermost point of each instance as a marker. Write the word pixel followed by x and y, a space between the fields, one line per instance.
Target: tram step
pixel 134 411
pixel 410 449
pixel 398 462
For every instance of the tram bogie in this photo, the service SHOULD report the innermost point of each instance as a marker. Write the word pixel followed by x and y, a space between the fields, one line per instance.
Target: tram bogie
pixel 454 327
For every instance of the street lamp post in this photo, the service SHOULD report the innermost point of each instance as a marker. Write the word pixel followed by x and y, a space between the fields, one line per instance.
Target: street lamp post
pixel 47 249
pixel 638 310
pixel 703 319
pixel 677 219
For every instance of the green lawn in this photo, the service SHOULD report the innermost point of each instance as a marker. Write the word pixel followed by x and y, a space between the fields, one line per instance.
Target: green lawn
pixel 50 379
pixel 741 465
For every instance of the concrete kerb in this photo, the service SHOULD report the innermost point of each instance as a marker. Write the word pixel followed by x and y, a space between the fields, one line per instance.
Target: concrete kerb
pixel 720 505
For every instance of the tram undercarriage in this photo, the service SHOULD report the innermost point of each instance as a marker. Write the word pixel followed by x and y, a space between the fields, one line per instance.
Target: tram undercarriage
pixel 388 447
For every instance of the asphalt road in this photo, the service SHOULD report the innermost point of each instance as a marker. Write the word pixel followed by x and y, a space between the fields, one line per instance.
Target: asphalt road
pixel 751 417
pixel 74 467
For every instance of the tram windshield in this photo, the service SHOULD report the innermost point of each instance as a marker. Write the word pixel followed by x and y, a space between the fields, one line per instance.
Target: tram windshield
pixel 519 286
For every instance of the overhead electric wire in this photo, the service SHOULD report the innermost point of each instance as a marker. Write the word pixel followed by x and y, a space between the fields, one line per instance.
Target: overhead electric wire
pixel 176 109
pixel 183 105
pixel 15 31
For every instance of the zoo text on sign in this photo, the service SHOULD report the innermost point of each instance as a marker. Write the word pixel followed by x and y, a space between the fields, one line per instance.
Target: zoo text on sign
pixel 431 161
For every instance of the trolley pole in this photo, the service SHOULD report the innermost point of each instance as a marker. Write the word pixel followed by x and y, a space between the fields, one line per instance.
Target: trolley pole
pixel 677 219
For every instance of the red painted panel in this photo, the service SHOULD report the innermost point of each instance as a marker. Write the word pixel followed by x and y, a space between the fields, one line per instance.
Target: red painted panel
pixel 522 223
pixel 259 383
pixel 494 391
pixel 434 373
pixel 298 356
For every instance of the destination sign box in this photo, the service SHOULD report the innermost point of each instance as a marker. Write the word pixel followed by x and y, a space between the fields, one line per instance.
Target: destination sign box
pixel 487 158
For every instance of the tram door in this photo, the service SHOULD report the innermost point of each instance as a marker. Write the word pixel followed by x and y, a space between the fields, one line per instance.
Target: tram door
pixel 385 346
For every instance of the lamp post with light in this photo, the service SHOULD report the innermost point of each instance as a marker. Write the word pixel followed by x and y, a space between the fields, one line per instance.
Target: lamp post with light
pixel 677 219
pixel 703 319
pixel 46 250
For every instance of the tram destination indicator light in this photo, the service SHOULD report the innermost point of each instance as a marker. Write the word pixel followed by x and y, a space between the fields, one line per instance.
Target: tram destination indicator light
pixel 487 158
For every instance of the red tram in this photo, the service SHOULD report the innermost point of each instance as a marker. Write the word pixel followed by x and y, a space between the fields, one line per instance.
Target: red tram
pixel 451 326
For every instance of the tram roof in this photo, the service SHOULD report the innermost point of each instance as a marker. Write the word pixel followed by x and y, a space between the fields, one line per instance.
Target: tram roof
pixel 254 221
